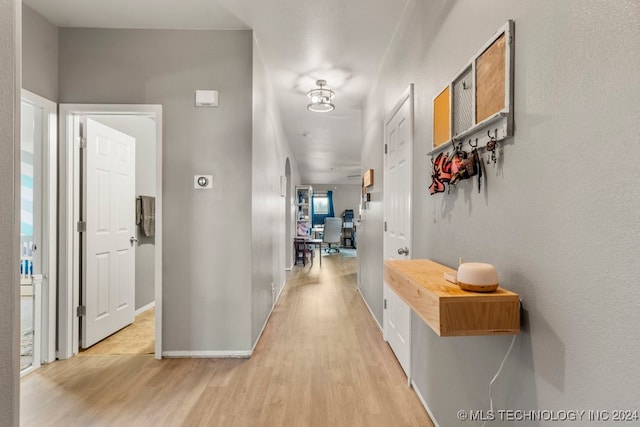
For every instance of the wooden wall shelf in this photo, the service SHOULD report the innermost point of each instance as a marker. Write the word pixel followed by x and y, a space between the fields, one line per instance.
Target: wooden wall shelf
pixel 446 308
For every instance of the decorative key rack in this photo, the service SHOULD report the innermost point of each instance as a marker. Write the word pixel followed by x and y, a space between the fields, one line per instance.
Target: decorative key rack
pixel 476 108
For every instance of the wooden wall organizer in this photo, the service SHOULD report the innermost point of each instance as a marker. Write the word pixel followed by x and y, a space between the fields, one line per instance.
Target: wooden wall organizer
pixel 442 118
pixel 489 79
pixel 446 308
pixel 367 178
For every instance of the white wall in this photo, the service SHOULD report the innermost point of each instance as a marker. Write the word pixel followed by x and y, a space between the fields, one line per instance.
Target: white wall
pixel 9 220
pixel 268 237
pixel 558 216
pixel 207 234
pixel 143 129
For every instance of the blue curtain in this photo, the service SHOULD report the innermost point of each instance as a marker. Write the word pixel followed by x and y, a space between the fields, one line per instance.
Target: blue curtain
pixel 318 219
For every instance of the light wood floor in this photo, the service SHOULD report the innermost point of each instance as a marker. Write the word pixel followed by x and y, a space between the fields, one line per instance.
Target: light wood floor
pixel 321 362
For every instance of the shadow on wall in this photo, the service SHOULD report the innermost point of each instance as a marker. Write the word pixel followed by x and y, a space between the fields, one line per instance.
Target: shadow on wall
pixel 469 187
pixel 475 360
pixel 547 355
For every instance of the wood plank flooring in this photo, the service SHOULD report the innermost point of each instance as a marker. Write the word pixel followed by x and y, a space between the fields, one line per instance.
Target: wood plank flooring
pixel 321 362
pixel 136 338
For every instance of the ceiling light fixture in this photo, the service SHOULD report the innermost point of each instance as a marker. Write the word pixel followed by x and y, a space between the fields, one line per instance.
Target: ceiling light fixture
pixel 321 98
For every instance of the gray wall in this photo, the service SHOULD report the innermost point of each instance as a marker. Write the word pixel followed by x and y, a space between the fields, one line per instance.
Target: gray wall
pixel 207 234
pixel 143 129
pixel 370 238
pixel 39 54
pixel 558 216
pixel 268 239
pixel 345 196
pixel 9 254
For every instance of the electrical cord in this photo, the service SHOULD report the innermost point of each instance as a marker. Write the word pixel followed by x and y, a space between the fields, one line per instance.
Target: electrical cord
pixel 513 340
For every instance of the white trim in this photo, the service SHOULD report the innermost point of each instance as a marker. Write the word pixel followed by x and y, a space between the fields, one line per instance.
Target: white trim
pixel 407 96
pixel 49 178
pixel 255 344
pixel 424 403
pixel 237 354
pixel 371 311
pixel 149 306
pixel 280 292
pixel 36 355
pixel 69 240
pixel 269 316
pixel 12 392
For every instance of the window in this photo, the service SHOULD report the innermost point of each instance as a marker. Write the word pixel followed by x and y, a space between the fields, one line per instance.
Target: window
pixel 320 204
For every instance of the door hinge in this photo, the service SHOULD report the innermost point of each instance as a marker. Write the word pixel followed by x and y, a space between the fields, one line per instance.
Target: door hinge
pixel 82 142
pixel 385 303
pixel 82 226
pixel 385 226
pixel 385 148
pixel 81 311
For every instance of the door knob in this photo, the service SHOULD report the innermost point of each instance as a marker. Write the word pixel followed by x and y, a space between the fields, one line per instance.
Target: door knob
pixel 133 239
pixel 403 251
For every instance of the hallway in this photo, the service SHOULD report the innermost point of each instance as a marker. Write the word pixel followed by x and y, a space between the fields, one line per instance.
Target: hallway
pixel 320 362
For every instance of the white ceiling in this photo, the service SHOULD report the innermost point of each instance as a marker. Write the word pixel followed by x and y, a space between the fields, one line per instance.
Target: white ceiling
pixel 340 41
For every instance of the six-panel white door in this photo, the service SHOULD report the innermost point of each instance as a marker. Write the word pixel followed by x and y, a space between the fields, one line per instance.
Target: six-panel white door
pixel 108 290
pixel 397 207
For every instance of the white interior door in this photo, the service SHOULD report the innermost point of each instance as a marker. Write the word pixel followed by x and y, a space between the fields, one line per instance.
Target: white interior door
pixel 108 285
pixel 397 207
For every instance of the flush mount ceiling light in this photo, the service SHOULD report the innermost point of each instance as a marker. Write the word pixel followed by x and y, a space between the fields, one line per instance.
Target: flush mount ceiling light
pixel 321 98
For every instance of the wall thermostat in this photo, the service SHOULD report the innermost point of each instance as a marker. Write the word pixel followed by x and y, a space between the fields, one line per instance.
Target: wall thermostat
pixel 206 98
pixel 202 182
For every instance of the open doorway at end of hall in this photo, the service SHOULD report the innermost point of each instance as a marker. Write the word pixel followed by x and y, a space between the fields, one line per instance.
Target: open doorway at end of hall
pixel 118 161
pixel 38 194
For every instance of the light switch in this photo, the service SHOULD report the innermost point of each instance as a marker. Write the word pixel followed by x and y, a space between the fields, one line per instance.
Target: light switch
pixel 206 98
pixel 202 182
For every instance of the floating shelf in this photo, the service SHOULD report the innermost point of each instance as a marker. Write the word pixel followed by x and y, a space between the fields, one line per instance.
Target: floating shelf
pixel 446 308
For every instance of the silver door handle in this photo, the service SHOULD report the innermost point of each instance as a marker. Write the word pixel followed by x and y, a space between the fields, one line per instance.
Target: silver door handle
pixel 403 251
pixel 133 239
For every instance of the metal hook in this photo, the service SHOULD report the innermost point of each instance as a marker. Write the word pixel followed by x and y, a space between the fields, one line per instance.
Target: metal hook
pixel 473 146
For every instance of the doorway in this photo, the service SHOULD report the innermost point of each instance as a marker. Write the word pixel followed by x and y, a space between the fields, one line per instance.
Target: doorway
pixel 130 119
pixel 38 169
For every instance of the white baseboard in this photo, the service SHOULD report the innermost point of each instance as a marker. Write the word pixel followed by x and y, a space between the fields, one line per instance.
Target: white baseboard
pixel 424 403
pixel 238 354
pixel 269 316
pixel 369 308
pixel 149 306
pixel 279 293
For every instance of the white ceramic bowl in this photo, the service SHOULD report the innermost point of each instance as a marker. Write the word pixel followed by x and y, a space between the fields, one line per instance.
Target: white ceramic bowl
pixel 477 277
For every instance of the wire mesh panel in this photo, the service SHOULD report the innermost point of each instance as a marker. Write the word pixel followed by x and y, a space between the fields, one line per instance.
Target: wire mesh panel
pixel 462 101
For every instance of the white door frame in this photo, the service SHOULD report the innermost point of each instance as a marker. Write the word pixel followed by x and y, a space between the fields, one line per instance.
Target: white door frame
pixel 69 239
pixel 49 199
pixel 407 96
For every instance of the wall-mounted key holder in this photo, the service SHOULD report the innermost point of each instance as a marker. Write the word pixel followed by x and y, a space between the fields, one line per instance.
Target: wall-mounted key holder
pixel 480 97
pixel 474 113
